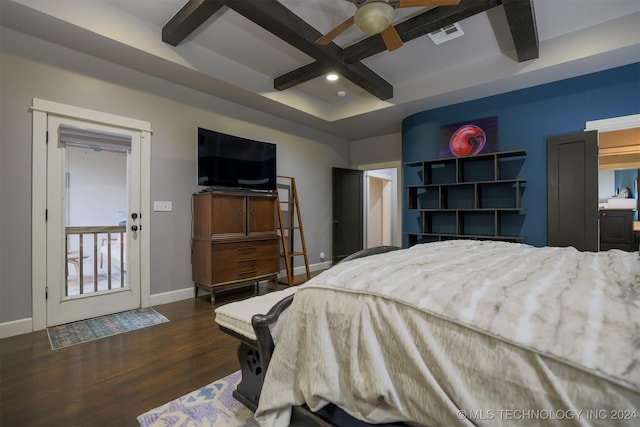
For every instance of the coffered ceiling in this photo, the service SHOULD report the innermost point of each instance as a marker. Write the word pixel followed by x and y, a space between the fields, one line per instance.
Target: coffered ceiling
pixel 273 65
pixel 329 57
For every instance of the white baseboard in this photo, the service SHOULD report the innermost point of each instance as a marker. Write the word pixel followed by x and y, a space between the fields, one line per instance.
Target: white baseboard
pixel 24 326
pixel 173 296
pixel 16 327
pixel 188 293
pixel 312 267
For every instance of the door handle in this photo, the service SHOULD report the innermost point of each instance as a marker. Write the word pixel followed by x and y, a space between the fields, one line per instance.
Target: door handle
pixel 134 215
pixel 134 228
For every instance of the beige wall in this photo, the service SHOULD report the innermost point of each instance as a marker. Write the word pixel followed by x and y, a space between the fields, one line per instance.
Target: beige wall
pixel 381 152
pixel 377 150
pixel 32 68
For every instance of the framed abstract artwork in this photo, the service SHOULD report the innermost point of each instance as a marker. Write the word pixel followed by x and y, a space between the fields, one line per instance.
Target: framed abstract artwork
pixel 469 138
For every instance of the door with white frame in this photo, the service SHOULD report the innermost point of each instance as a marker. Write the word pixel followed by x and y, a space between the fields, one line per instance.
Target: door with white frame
pixel 382 206
pixel 94 222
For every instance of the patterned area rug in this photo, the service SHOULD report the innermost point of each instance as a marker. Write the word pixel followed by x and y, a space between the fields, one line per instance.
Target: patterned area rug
pixel 211 405
pixel 104 326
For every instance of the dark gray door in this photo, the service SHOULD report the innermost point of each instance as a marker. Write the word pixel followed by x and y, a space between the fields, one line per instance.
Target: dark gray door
pixel 572 190
pixel 347 213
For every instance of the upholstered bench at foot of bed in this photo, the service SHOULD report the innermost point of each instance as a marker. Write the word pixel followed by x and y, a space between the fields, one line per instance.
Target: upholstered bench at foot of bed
pixel 235 319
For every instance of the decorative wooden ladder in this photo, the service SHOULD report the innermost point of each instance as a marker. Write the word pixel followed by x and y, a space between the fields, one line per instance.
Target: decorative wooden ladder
pixel 288 230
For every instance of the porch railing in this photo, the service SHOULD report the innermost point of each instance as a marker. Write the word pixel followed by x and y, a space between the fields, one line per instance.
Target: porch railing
pixel 107 243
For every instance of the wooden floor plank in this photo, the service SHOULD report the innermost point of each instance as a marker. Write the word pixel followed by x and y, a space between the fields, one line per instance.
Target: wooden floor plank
pixel 109 382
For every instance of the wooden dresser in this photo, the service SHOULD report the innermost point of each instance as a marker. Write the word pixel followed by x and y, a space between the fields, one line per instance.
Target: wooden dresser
pixel 234 240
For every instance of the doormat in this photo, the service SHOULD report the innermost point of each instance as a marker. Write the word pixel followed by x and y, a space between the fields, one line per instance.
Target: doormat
pixel 104 326
pixel 211 405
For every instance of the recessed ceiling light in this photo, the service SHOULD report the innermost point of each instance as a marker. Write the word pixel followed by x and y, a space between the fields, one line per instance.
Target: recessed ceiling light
pixel 332 77
pixel 341 93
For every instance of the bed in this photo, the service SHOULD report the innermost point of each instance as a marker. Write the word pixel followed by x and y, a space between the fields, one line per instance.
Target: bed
pixel 462 332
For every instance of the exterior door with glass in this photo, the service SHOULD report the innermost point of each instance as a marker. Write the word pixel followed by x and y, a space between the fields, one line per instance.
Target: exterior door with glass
pixel 93 220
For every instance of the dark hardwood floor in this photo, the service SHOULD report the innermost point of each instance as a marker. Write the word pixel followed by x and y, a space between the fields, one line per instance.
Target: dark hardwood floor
pixel 109 382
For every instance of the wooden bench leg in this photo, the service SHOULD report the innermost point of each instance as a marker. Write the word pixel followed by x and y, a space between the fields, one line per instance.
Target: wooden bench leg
pixel 248 390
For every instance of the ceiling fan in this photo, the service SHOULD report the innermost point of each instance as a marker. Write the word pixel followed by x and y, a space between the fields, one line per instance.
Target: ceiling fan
pixel 376 17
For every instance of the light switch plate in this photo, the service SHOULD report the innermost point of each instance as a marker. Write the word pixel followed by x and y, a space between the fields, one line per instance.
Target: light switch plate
pixel 162 206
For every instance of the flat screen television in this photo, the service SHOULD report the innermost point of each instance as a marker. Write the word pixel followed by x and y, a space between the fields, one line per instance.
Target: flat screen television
pixel 231 162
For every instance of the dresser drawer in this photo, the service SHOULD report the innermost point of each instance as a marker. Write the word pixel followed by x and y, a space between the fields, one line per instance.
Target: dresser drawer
pixel 244 260
pixel 253 250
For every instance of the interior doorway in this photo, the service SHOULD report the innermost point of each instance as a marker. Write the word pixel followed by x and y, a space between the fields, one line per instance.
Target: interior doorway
pixel 618 175
pixel 366 207
pixel 347 213
pixel 382 206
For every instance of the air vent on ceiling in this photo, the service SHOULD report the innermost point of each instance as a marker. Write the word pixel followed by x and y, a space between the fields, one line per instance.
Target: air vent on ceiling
pixel 447 33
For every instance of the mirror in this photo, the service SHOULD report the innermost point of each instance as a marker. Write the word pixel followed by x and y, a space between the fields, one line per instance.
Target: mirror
pixel 618 168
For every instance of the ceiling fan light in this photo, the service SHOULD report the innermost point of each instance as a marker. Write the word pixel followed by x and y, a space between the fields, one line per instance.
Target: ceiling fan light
pixel 374 17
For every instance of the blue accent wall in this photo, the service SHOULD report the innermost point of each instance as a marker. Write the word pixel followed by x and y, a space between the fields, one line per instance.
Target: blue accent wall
pixel 525 119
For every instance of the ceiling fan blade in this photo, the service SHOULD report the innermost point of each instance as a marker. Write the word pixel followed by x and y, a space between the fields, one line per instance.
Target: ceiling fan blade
pixel 424 3
pixel 328 38
pixel 391 38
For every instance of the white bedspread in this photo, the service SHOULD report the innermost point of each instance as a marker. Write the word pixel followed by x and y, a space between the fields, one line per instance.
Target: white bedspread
pixel 568 314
